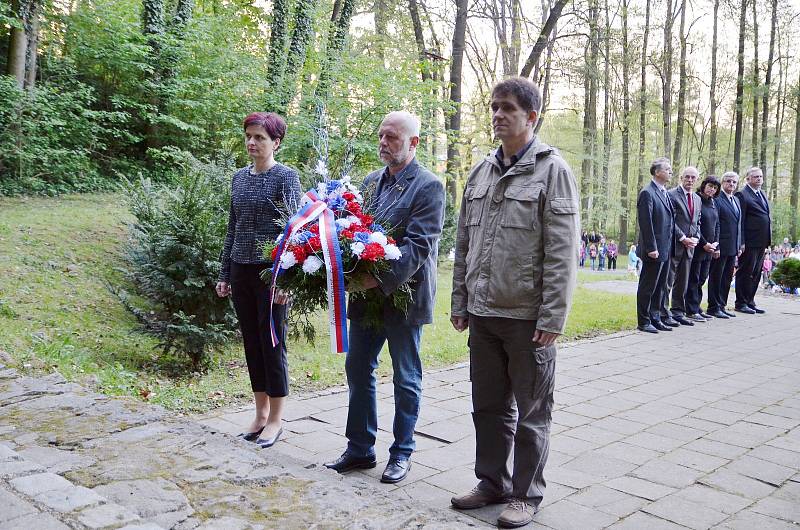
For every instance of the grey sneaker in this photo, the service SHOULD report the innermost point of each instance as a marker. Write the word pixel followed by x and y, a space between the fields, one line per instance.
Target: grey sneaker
pixel 475 498
pixel 516 514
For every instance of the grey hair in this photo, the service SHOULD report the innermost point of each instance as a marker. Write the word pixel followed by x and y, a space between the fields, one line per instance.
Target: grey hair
pixel 751 171
pixel 410 122
pixel 658 164
pixel 687 168
pixel 729 174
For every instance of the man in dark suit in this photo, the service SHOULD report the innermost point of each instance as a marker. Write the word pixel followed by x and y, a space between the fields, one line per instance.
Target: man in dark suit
pixel 730 247
pixel 687 206
pixel 656 220
pixel 411 199
pixel 757 231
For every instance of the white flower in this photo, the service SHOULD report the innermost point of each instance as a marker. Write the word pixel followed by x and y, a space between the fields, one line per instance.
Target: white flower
pixel 312 264
pixel 288 260
pixel 322 189
pixel 321 169
pixel 392 252
pixel 353 219
pixel 357 248
pixel 378 237
pixel 344 223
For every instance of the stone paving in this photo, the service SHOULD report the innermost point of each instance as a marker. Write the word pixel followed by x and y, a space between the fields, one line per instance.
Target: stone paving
pixel 696 428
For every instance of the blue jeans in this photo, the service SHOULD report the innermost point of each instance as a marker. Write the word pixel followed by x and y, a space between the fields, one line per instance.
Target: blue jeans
pixel 362 360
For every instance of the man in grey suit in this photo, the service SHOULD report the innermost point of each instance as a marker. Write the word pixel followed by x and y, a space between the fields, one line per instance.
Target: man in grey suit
pixel 687 206
pixel 411 199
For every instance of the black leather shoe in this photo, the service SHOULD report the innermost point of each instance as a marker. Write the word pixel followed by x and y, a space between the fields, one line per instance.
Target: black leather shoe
pixel 729 313
pixel 661 327
pixel 683 321
pixel 269 442
pixel 348 462
pixel 757 309
pixel 396 470
pixel 649 328
pixel 250 436
pixel 745 309
pixel 719 314
pixel 671 322
pixel 705 315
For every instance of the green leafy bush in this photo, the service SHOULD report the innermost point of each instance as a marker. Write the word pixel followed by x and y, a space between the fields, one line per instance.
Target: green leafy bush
pixel 787 273
pixel 173 258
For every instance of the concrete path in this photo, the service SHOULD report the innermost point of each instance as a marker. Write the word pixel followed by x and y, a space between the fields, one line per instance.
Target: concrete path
pixel 696 428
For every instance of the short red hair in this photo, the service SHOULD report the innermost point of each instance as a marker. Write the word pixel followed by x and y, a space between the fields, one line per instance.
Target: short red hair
pixel 273 123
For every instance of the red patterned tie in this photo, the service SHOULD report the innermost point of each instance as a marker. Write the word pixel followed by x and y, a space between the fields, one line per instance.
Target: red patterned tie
pixel 690 202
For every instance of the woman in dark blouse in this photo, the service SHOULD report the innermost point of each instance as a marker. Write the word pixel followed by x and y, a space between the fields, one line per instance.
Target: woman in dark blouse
pixel 706 250
pixel 257 192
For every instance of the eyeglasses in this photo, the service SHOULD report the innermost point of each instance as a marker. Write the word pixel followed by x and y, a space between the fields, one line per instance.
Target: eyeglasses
pixel 730 180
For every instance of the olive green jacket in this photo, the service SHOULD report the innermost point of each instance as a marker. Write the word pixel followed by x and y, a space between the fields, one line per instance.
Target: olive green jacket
pixel 517 243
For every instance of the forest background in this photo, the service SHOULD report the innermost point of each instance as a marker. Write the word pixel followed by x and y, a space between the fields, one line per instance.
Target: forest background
pixel 99 91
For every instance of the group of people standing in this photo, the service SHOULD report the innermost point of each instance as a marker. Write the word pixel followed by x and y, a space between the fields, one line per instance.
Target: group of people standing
pixel 598 251
pixel 693 233
pixel 513 277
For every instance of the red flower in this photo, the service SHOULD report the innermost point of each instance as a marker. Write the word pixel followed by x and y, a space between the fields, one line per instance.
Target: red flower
pixel 372 252
pixel 346 233
pixel 314 229
pixel 353 207
pixel 348 196
pixel 314 244
pixel 299 254
pixel 390 240
pixel 366 219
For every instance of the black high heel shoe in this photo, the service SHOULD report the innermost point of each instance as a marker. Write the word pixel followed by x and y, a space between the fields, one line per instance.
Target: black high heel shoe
pixel 250 436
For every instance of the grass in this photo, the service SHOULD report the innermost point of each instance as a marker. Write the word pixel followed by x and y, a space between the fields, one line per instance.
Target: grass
pixel 58 257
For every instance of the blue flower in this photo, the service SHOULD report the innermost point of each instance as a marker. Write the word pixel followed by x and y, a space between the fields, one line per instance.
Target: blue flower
pixel 375 227
pixel 337 204
pixel 361 237
pixel 334 185
pixel 304 236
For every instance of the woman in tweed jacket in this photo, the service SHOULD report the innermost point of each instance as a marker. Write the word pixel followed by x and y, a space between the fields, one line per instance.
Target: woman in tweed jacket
pixel 257 193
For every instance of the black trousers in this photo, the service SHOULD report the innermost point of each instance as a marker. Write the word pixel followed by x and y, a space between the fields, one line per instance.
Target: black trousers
pixel 748 275
pixel 698 274
pixel 719 282
pixel 267 365
pixel 612 263
pixel 651 291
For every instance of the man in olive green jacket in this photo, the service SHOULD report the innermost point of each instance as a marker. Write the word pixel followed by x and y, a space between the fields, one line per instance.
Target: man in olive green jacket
pixel 514 274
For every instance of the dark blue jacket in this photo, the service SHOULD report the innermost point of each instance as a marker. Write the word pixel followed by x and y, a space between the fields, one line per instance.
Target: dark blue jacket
pixel 756 224
pixel 730 225
pixel 656 219
pixel 414 207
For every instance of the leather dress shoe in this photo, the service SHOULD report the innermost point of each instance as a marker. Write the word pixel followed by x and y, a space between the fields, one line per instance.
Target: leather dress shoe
pixel 396 470
pixel 661 327
pixel 695 317
pixel 671 322
pixel 269 442
pixel 757 309
pixel 729 313
pixel 705 315
pixel 683 321
pixel 349 462
pixel 250 436
pixel 745 309
pixel 719 314
pixel 649 328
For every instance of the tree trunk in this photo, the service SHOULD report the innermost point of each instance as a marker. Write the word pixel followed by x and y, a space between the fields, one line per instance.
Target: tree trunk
pixel 737 148
pixel 542 40
pixel 795 164
pixel 296 57
pixel 153 28
pixel 32 52
pixel 588 166
pixel 666 86
pixel 626 113
pixel 419 37
pixel 381 17
pixel 336 39
pixel 18 43
pixel 780 112
pixel 454 120
pixel 278 37
pixel 712 155
pixel 756 87
pixel 676 155
pixel 643 102
pixel 604 187
pixel 762 160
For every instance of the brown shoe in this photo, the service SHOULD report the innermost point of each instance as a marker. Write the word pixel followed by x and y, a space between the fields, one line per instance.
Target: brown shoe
pixel 475 498
pixel 516 514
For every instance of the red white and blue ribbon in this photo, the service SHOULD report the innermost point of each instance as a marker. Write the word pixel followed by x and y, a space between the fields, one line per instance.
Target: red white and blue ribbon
pixel 315 208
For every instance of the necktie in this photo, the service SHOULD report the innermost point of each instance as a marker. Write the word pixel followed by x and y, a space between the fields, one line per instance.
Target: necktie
pixel 762 199
pixel 690 202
